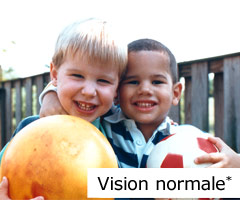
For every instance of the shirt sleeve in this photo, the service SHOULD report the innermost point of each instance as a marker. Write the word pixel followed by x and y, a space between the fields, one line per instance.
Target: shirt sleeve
pixel 20 126
pixel 48 88
pixel 2 152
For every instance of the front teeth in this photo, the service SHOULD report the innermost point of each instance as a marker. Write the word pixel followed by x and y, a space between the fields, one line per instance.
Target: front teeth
pixel 145 105
pixel 84 106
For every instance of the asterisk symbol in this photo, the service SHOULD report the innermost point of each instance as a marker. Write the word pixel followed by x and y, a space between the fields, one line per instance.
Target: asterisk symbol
pixel 228 178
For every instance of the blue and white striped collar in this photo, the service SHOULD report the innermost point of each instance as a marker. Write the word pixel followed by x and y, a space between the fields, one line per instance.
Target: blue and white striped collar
pixel 118 116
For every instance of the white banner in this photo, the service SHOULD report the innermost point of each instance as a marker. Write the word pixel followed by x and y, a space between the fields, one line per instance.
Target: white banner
pixel 164 182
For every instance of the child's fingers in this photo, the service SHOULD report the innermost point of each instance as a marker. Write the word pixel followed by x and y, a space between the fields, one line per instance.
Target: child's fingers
pixel 208 158
pixel 4 183
pixel 4 189
pixel 217 142
pixel 217 165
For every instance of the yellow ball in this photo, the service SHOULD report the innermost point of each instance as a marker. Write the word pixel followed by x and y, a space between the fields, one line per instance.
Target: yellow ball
pixel 50 157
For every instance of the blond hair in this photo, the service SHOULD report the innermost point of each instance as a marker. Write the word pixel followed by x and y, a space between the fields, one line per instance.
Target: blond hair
pixel 93 39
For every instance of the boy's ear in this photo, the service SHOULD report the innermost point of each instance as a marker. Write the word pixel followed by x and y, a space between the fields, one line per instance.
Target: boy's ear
pixel 53 74
pixel 177 91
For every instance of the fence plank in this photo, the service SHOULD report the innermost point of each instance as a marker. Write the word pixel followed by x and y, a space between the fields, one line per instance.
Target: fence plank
pixel 218 107
pixel 174 114
pixel 199 108
pixel 28 88
pixel 188 100
pixel 2 116
pixel 8 113
pixel 230 121
pixel 18 109
pixel 236 64
pixel 39 84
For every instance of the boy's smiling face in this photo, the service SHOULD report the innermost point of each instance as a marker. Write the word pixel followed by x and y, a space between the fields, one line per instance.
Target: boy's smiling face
pixel 147 91
pixel 85 89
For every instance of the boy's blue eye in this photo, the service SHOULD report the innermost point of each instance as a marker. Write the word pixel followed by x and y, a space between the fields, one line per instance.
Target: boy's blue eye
pixel 103 81
pixel 77 75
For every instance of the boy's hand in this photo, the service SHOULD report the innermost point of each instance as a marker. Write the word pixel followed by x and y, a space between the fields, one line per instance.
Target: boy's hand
pixel 226 158
pixel 51 105
pixel 4 191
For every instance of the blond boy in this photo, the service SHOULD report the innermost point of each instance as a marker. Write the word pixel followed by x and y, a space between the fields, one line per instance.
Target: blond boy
pixel 86 67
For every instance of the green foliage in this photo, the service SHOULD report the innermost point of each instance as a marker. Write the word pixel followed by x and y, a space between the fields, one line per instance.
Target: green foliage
pixel 8 74
pixel 211 87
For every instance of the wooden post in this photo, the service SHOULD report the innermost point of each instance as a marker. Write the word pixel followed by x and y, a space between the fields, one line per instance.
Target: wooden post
pixel 2 118
pixel 218 108
pixel 231 102
pixel 1 74
pixel 199 98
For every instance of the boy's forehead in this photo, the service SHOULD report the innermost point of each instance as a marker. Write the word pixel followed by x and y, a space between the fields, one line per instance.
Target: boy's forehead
pixel 81 56
pixel 85 59
pixel 148 64
pixel 149 58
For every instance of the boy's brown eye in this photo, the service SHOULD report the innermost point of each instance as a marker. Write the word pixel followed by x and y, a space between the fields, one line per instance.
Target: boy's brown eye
pixel 157 82
pixel 132 82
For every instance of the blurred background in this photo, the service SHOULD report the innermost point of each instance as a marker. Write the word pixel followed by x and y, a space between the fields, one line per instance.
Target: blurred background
pixel 191 29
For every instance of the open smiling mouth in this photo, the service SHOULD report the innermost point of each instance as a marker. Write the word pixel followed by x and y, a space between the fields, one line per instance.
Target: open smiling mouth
pixel 85 106
pixel 144 104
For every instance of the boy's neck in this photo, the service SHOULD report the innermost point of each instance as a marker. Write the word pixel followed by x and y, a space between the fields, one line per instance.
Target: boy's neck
pixel 147 130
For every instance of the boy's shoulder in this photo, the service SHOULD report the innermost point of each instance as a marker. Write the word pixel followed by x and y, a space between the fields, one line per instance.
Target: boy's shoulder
pixel 25 122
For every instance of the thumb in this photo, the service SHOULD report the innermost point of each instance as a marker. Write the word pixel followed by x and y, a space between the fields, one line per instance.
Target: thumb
pixel 38 198
pixel 4 189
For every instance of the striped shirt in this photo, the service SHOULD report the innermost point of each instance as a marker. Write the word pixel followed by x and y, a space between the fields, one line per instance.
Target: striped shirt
pixel 127 140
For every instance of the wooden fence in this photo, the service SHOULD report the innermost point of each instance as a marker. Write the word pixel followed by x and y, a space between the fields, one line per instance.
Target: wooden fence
pixel 19 98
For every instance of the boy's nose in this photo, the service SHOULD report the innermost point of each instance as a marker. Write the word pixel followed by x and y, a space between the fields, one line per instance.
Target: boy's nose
pixel 89 90
pixel 145 89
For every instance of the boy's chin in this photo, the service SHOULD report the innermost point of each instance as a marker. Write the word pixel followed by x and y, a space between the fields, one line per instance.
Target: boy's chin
pixel 87 118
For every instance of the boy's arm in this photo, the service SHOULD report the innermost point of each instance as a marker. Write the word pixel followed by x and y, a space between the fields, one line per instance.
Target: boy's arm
pixel 50 104
pixel 226 158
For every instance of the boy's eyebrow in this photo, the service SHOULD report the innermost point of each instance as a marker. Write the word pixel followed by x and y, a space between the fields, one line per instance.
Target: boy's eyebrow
pixel 159 76
pixel 153 76
pixel 129 77
pixel 103 76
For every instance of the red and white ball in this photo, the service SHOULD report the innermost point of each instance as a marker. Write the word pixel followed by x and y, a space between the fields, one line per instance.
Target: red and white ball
pixel 180 149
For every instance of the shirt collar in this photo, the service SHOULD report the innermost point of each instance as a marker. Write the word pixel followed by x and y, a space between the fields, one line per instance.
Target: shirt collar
pixel 118 116
pixel 96 123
